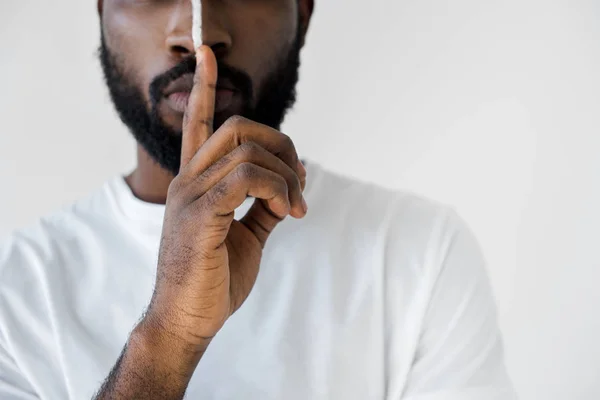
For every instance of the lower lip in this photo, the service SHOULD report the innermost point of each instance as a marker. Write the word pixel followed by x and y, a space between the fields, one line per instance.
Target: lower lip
pixel 223 99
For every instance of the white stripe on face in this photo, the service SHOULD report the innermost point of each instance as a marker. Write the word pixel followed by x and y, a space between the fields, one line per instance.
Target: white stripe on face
pixel 197 22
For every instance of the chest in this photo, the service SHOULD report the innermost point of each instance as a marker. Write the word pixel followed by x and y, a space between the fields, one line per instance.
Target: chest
pixel 313 326
pixel 299 335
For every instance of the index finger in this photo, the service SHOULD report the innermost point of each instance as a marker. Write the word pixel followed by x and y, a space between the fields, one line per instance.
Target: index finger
pixel 200 111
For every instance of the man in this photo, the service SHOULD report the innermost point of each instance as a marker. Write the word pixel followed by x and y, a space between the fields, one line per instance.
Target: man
pixel 150 288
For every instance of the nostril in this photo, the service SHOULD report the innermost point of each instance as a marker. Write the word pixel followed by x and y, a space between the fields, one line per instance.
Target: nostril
pixel 180 50
pixel 220 49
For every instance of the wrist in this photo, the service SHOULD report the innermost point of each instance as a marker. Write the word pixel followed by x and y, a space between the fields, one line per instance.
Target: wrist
pixel 151 367
pixel 164 348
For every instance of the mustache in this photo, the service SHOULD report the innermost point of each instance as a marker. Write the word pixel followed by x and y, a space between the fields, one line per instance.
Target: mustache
pixel 238 78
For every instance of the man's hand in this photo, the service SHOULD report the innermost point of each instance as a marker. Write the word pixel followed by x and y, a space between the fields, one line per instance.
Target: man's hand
pixel 208 262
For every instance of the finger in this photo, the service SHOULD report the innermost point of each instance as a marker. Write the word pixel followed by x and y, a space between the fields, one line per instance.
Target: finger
pixel 261 221
pixel 302 174
pixel 238 130
pixel 252 153
pixel 199 114
pixel 248 180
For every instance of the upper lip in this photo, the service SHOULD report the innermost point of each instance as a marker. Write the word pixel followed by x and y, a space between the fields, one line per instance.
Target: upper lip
pixel 186 83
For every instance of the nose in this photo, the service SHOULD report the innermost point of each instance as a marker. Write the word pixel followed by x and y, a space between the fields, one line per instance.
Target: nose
pixel 179 40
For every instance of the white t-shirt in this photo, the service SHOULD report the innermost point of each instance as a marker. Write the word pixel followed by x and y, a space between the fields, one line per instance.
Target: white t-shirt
pixel 374 295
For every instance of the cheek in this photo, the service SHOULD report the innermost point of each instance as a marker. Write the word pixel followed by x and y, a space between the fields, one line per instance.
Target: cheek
pixel 263 38
pixel 129 38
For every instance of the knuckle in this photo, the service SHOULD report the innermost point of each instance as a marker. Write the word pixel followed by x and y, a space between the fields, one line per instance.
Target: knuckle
pixel 279 182
pixel 235 121
pixel 287 142
pixel 250 150
pixel 233 128
pixel 281 186
pixel 246 171
pixel 238 119
pixel 294 181
pixel 175 187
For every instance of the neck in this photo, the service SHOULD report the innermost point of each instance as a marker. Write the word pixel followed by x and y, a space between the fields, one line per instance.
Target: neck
pixel 149 182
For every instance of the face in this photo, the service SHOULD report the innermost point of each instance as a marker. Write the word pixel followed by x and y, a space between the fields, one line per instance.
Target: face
pixel 147 56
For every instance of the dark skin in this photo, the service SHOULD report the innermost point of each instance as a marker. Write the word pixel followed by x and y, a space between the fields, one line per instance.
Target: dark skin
pixel 208 262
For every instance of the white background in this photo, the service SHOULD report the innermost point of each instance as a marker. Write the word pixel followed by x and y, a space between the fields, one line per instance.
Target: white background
pixel 493 106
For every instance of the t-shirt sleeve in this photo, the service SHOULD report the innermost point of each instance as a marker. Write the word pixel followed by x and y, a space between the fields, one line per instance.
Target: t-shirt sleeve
pixel 13 386
pixel 459 355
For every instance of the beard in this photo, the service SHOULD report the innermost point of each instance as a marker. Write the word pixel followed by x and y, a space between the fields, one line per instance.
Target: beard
pixel 275 97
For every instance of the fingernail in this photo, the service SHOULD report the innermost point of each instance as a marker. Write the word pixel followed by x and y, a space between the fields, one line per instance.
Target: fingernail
pixel 304 205
pixel 301 168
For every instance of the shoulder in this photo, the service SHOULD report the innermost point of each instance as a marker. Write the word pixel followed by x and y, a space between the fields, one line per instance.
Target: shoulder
pixel 410 238
pixel 36 281
pixel 401 218
pixel 333 189
pixel 33 244
pixel 29 254
pixel 439 305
